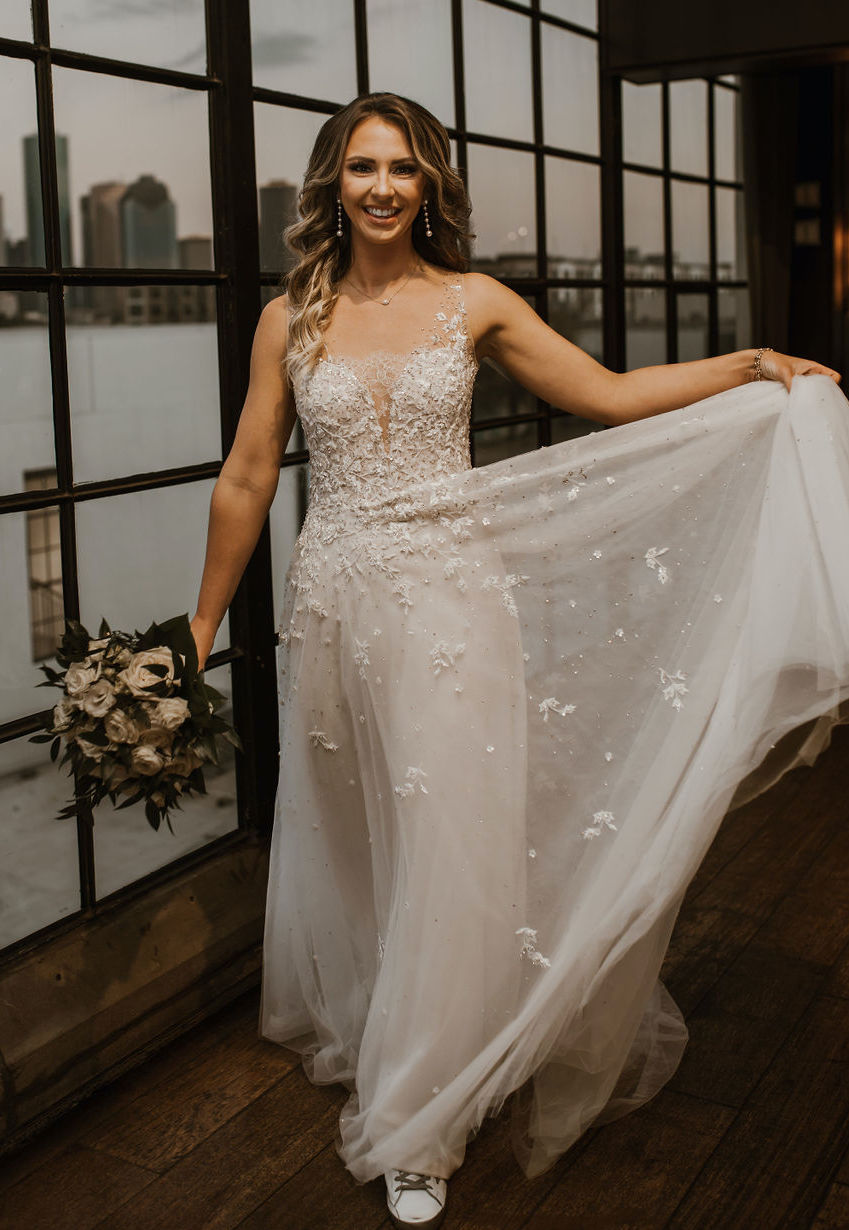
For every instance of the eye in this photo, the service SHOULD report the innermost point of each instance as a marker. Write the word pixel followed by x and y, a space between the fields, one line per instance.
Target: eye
pixel 360 167
pixel 406 168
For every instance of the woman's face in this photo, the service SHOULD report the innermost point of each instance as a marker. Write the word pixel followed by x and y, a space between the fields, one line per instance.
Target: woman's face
pixel 381 184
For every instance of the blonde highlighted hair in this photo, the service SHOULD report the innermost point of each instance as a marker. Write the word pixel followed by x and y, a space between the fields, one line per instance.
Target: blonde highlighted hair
pixel 324 258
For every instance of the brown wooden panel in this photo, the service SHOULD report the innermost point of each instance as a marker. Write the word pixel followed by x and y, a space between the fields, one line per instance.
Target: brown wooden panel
pixel 834 1214
pixel 321 1195
pixel 75 1192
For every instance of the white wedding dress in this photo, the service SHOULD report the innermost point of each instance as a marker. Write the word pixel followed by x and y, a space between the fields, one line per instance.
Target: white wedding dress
pixel 515 705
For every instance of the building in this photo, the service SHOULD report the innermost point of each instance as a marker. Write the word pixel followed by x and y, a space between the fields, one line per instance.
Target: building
pixel 148 225
pixel 100 211
pixel 32 193
pixel 278 206
pixel 195 302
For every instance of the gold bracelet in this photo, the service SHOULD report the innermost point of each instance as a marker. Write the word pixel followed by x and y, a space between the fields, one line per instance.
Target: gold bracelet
pixel 762 351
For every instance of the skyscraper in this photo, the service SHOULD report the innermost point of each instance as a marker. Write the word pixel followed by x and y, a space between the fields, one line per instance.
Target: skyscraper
pixel 3 257
pixel 149 225
pixel 277 208
pixel 32 192
pixel 100 212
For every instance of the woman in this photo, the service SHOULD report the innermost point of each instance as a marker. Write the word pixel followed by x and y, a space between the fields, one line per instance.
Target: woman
pixel 515 700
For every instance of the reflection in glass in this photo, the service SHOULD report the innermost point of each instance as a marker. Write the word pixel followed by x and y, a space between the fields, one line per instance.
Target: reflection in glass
pixel 573 218
pixel 30 603
pixel 642 124
pixel 410 52
pixel 144 382
pixel 644 245
pixel 645 326
pixel 169 33
pixel 576 313
pixel 496 443
pixel 582 12
pixel 141 556
pixel 305 47
pixel 688 127
pixel 26 414
pixel 497 52
pixel 730 234
pixel 21 223
pixel 127 848
pixel 284 141
pixel 570 90
pixel 691 253
pixel 727 139
pixel 16 20
pixel 496 395
pixel 734 322
pixel 144 202
pixel 39 876
pixel 501 185
pixel 692 327
pixel 285 519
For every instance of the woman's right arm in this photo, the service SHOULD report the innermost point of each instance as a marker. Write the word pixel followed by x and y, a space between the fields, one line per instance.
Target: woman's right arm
pixel 246 484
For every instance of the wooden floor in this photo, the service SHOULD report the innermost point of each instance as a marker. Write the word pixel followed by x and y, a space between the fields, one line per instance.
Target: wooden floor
pixel 223 1130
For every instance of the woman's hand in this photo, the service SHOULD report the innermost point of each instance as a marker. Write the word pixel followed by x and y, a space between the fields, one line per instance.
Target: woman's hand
pixel 783 367
pixel 204 635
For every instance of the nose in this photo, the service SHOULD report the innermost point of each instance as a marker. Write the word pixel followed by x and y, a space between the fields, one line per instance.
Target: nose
pixel 382 186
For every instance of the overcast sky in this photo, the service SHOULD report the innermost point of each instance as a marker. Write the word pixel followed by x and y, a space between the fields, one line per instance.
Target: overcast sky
pixel 119 129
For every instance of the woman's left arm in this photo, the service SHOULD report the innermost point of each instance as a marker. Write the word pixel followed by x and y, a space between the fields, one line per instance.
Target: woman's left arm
pixel 509 331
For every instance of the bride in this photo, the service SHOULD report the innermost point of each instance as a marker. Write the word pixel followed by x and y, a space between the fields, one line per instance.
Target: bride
pixel 515 700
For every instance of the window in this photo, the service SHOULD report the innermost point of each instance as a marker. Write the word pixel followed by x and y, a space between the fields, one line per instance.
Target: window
pixel 151 156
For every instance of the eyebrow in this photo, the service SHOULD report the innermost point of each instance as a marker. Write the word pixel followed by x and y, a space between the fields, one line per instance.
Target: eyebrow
pixel 366 158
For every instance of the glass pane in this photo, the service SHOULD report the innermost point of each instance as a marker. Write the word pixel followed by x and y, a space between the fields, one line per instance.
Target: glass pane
pixel 31 605
pixel 727 137
pixel 692 327
pixel 127 848
pixel 501 184
pixel 645 326
pixel 497 53
pixel 576 312
pixel 39 876
pixel 642 124
pixel 305 47
pixel 644 246
pixel 21 224
pixel 691 254
pixel 570 90
pixel 422 27
pixel 26 416
pixel 285 519
pixel 144 381
pixel 730 234
pixel 16 20
pixel 284 141
pixel 169 33
pixel 573 219
pixel 571 427
pixel 497 395
pixel 734 323
pixel 582 12
pixel 496 443
pixel 141 556
pixel 139 195
pixel 688 127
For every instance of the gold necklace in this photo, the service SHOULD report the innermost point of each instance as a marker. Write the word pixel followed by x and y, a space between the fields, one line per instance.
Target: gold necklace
pixel 383 302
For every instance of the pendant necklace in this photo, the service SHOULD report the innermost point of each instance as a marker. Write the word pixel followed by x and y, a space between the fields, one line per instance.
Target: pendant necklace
pixel 383 302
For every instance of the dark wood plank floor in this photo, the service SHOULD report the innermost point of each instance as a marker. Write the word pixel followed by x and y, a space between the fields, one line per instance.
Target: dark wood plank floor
pixel 223 1130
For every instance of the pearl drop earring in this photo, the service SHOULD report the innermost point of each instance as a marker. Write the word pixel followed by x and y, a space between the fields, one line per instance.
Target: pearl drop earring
pixel 339 217
pixel 428 231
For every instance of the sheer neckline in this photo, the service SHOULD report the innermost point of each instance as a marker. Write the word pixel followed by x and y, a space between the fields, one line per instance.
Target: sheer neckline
pixel 428 330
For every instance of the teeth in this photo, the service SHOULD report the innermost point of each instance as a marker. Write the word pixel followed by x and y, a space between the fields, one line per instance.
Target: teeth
pixel 380 213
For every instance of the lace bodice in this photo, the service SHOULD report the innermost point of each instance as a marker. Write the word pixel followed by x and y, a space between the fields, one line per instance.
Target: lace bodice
pixel 379 423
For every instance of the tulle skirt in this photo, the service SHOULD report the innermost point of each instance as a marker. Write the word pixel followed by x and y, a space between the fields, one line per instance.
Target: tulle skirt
pixel 514 710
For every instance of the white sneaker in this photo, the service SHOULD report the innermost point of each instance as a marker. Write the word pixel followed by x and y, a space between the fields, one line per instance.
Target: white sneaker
pixel 415 1200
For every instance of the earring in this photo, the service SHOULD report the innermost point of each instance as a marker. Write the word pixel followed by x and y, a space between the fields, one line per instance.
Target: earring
pixel 428 231
pixel 339 217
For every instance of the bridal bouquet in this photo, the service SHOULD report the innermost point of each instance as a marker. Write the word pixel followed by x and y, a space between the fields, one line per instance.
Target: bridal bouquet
pixel 135 715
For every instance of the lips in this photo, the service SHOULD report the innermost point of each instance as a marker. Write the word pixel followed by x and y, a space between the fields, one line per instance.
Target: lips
pixel 374 211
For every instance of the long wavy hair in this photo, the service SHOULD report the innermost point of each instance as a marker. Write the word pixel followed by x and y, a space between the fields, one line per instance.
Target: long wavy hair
pixel 323 258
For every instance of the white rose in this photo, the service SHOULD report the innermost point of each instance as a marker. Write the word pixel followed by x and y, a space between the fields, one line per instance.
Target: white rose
pixel 137 679
pixel 64 714
pixel 146 760
pixel 79 677
pixel 156 736
pixel 170 712
pixel 119 727
pixel 99 699
pixel 184 763
pixel 94 750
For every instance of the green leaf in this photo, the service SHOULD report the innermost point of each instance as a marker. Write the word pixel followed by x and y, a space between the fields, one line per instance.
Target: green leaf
pixel 105 630
pixel 54 748
pixel 41 738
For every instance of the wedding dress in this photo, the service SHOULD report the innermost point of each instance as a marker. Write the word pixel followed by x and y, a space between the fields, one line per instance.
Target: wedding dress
pixel 516 701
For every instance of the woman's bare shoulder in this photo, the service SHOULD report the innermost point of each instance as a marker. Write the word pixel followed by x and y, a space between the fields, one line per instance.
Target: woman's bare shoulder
pixel 273 326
